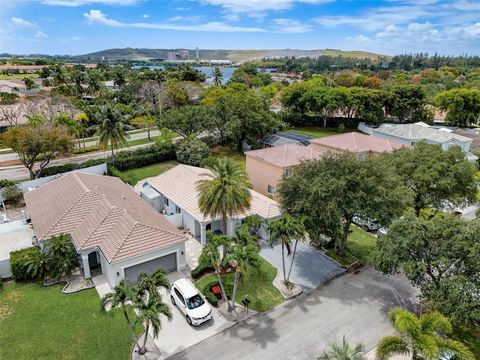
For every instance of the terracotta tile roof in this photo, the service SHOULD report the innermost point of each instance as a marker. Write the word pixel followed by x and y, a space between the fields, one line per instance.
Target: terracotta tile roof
pixel 99 211
pixel 357 143
pixel 286 155
pixel 179 184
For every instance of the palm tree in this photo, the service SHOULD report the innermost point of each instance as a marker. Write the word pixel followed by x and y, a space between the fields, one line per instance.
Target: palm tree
pixel 150 283
pixel 286 229
pixel 421 337
pixel 62 253
pixel 94 83
pixel 216 258
pixel 82 120
pixel 225 191
pixel 122 293
pixel 112 129
pixel 217 76
pixel 39 266
pixel 71 124
pixel 344 351
pixel 241 257
pixel 149 314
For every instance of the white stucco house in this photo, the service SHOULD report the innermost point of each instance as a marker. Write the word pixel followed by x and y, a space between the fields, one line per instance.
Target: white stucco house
pixel 113 230
pixel 411 134
pixel 175 194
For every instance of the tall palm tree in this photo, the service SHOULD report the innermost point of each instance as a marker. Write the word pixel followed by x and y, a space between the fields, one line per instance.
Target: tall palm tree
pixel 82 120
pixel 225 191
pixel 94 83
pixel 285 230
pixel 71 124
pixel 122 293
pixel 241 257
pixel 421 337
pixel 217 76
pixel 150 283
pixel 112 129
pixel 149 314
pixel 344 351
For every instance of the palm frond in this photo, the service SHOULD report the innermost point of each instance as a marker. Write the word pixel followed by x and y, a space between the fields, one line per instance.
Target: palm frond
pixel 390 346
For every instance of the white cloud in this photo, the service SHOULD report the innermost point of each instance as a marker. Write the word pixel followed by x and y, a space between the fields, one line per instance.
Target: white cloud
pixel 291 26
pixel 187 18
pixel 359 39
pixel 467 5
pixel 413 32
pixel 22 22
pixel 75 3
pixel 145 16
pixel 251 7
pixel 97 17
pixel 40 34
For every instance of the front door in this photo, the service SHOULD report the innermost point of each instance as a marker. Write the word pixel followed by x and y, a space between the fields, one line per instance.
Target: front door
pixel 93 261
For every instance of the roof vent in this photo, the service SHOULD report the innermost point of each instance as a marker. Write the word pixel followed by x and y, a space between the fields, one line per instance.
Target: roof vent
pixel 123 197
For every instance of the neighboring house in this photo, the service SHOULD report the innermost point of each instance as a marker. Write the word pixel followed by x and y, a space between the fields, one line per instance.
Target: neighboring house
pixel 113 230
pixel 411 134
pixel 12 86
pixel 266 167
pixel 364 146
pixel 174 192
pixel 473 134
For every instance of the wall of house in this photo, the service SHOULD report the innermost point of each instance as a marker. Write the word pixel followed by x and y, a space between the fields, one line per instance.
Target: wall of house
pixel 189 223
pixel 262 174
pixel 111 270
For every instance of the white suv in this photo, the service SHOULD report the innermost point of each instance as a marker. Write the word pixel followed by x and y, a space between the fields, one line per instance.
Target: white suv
pixel 190 302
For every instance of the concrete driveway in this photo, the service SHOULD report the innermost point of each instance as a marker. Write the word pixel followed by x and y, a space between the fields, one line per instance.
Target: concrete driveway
pixel 352 305
pixel 310 269
pixel 176 335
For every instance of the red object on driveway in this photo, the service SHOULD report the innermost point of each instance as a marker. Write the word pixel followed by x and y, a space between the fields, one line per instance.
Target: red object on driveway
pixel 216 290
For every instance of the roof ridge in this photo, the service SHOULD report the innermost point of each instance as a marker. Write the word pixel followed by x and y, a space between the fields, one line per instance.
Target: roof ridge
pixel 125 238
pixel 354 142
pixel 284 155
pixel 64 214
pixel 77 178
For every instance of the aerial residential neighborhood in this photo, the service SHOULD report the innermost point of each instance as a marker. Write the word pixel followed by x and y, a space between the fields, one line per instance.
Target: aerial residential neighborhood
pixel 216 179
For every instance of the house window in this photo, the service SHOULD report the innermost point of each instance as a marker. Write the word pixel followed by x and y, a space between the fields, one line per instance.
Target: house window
pixel 271 189
pixel 288 172
pixel 177 209
pixel 165 201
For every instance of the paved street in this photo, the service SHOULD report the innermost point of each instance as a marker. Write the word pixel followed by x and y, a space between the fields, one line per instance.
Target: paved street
pixel 352 305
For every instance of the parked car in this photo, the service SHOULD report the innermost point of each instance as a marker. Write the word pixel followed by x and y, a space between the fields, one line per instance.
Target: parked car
pixel 191 303
pixel 382 231
pixel 366 224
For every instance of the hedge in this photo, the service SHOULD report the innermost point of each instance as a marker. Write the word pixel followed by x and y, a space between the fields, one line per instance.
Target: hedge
pixel 19 260
pixel 53 170
pixel 131 159
pixel 204 266
pixel 206 291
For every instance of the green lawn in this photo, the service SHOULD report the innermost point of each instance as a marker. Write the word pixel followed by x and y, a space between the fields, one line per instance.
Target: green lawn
pixel 135 175
pixel 360 245
pixel 258 285
pixel 316 132
pixel 224 152
pixel 42 323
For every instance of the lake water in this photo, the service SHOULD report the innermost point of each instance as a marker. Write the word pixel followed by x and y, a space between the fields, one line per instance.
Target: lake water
pixel 227 72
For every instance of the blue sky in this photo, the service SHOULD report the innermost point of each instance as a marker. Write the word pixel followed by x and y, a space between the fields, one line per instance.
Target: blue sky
pixel 388 26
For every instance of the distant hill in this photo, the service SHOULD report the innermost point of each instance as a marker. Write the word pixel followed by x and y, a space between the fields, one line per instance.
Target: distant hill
pixel 233 55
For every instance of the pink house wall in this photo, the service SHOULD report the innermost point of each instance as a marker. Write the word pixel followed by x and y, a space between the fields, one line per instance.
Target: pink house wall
pixel 262 174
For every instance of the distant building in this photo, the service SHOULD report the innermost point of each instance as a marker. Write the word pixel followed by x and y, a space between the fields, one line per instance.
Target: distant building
pixel 12 86
pixel 183 54
pixel 172 55
pixel 220 62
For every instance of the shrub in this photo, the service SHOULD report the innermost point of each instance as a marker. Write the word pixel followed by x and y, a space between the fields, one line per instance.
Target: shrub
pixel 19 262
pixel 6 183
pixel 112 171
pixel 212 299
pixel 53 170
pixel 12 195
pixel 341 128
pixel 86 149
pixel 132 159
pixel 204 266
pixel 192 152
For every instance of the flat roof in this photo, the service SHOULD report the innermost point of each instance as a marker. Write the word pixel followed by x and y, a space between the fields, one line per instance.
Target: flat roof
pixel 14 235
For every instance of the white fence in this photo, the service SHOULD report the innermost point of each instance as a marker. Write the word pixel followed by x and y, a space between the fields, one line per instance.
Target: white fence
pixel 26 185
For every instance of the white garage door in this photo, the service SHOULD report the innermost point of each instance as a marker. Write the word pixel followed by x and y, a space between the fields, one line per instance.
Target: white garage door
pixel 168 262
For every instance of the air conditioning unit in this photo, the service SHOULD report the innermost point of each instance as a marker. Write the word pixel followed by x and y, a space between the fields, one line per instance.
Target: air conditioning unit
pixel 164 212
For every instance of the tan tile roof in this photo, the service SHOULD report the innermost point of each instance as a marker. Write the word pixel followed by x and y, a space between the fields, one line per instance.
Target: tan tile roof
pixel 179 184
pixel 357 143
pixel 99 211
pixel 286 155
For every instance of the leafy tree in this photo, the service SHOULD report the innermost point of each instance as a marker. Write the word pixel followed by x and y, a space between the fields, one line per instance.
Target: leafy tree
pixel 71 124
pixel 121 295
pixel 325 102
pixel 112 129
pixel 216 258
pixel 329 191
pixel 421 338
pixel 38 143
pixel 406 102
pixel 366 105
pixel 344 351
pixel 225 191
pixel 217 76
pixel 462 106
pixel 78 78
pixel 95 84
pixel 119 76
pixel 60 76
pixel 186 120
pixel 439 255
pixel 437 177
pixel 192 151
pixel 29 83
pixel 286 230
pixel 145 122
